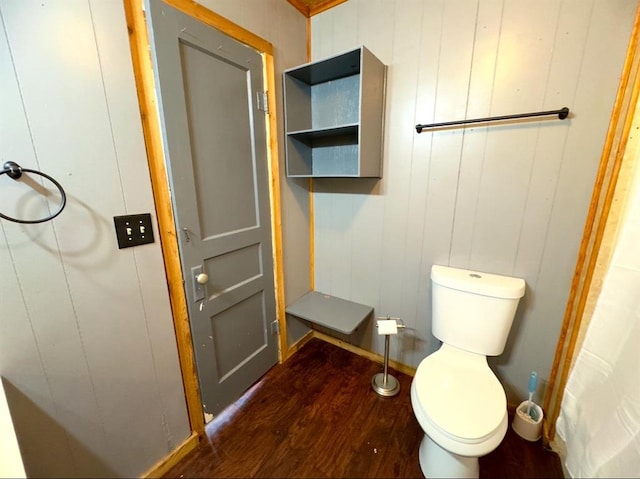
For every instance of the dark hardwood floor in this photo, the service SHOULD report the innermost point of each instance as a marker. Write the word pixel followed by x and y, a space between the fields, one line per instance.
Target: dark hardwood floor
pixel 317 416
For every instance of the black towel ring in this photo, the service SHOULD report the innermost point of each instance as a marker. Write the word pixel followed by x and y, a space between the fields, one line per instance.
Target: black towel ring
pixel 14 170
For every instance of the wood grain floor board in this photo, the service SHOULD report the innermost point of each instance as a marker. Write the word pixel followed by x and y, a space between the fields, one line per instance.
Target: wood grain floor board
pixel 317 416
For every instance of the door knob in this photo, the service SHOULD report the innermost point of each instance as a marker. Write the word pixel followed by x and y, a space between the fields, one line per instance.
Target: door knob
pixel 202 278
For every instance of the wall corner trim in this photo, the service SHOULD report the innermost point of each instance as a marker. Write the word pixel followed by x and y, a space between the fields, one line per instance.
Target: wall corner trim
pixel 161 468
pixel 599 209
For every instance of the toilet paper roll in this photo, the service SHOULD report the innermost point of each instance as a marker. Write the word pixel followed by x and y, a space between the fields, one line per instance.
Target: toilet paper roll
pixel 387 326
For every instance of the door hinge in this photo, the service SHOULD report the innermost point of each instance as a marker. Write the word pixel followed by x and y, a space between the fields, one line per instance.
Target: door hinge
pixel 262 101
pixel 275 327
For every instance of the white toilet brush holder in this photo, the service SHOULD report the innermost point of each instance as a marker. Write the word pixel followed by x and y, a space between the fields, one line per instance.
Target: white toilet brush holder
pixel 527 421
pixel 384 383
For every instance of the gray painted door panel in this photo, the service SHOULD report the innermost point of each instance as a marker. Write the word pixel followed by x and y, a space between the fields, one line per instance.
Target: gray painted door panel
pixel 215 143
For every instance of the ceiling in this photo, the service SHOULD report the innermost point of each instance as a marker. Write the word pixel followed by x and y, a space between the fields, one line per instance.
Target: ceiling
pixel 310 7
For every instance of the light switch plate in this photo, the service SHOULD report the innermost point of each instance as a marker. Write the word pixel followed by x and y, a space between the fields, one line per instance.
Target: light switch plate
pixel 133 230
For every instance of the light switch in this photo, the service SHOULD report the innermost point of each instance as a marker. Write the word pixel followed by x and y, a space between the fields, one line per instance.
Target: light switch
pixel 133 230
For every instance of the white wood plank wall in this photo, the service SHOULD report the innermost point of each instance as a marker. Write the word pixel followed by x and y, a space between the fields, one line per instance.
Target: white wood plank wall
pixel 509 199
pixel 87 348
pixel 87 345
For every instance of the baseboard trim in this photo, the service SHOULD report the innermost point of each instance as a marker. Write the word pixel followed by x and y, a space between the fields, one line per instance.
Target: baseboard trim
pixel 174 457
pixel 295 347
pixel 400 367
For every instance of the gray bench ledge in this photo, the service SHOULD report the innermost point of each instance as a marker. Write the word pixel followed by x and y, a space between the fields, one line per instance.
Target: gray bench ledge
pixel 329 311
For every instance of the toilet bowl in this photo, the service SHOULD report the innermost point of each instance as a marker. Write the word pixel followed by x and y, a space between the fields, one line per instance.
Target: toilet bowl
pixel 458 401
pixel 462 408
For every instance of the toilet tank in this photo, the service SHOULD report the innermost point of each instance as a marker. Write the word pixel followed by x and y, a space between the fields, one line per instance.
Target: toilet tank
pixel 473 310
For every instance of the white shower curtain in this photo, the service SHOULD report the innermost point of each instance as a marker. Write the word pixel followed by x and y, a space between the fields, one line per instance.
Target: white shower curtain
pixel 600 414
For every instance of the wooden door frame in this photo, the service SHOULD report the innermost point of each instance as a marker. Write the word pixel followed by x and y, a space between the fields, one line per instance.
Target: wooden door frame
pixel 599 209
pixel 145 86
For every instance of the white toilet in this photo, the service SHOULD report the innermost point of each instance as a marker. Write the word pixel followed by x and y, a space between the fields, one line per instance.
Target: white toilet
pixel 458 401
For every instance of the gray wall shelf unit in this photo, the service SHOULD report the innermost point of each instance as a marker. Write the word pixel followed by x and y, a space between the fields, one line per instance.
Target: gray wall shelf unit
pixel 334 116
pixel 334 313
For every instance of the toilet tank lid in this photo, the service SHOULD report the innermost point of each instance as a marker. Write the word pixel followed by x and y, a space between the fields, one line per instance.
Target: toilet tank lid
pixel 477 282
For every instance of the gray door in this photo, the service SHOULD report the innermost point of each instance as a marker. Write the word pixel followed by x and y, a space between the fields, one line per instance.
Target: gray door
pixel 215 143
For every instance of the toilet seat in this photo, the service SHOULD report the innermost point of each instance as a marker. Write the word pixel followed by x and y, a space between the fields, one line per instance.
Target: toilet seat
pixel 459 396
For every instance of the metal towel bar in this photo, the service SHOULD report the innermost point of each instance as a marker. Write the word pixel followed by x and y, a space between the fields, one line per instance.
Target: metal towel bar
pixel 562 114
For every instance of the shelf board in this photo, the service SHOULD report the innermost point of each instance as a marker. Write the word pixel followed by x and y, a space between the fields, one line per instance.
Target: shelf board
pixel 334 313
pixel 315 133
pixel 315 175
pixel 328 69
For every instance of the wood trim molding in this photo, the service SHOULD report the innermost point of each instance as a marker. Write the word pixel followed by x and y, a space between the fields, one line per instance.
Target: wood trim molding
pixel 376 358
pixel 308 26
pixel 312 238
pixel 300 343
pixel 324 6
pixel 206 16
pixel 601 200
pixel 141 59
pixel 160 468
pixel 310 8
pixel 276 209
pixel 301 6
